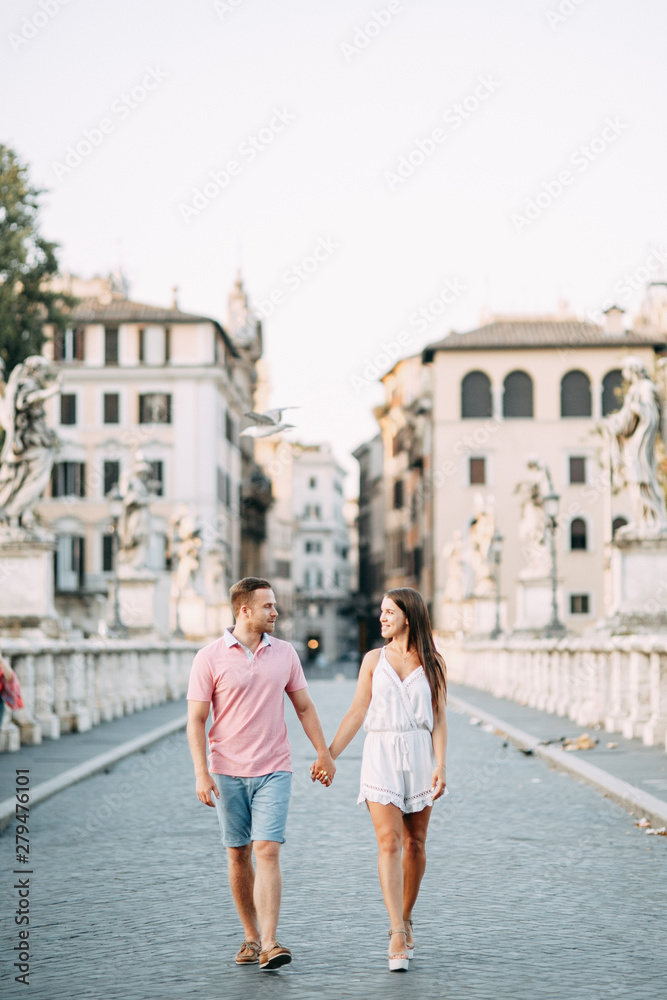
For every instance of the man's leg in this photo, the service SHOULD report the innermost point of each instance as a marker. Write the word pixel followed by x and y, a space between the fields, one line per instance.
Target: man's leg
pixel 268 888
pixel 242 882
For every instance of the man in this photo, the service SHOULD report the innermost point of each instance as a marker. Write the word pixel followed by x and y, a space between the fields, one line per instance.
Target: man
pixel 244 676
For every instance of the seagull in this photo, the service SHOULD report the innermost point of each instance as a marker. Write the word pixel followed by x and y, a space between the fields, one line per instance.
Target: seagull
pixel 265 424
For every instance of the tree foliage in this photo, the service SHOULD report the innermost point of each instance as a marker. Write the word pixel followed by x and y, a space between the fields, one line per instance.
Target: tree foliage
pixel 28 262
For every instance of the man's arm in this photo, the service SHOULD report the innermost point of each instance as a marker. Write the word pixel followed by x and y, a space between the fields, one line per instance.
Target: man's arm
pixel 197 716
pixel 312 727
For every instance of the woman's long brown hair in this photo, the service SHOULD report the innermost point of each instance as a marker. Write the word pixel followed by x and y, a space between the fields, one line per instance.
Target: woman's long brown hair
pixel 412 605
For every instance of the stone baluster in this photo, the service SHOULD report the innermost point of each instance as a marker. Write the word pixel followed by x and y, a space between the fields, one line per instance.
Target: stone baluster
pixel 638 710
pixel 45 713
pixel 655 730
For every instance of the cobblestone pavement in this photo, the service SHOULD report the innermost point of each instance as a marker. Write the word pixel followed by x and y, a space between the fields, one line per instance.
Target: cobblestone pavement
pixel 537 887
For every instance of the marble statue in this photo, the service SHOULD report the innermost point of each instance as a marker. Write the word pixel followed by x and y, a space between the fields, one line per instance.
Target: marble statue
pixel 533 520
pixel 29 444
pixel 185 544
pixel 135 522
pixel 633 431
pixel 455 581
pixel 480 537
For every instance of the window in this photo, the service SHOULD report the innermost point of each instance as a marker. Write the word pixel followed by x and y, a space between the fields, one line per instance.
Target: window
pixel 68 563
pixel 111 408
pixel 111 475
pixel 577 469
pixel 67 408
pixel 229 427
pixel 612 385
pixel 578 538
pixel 68 479
pixel 167 345
pixel 107 553
pixel 398 494
pixel 579 604
pixel 110 345
pixel 319 578
pixel 68 345
pixel 477 471
pixel 575 395
pixel 518 395
pixel 141 347
pixel 476 396
pixel 306 579
pixel 155 408
pixel 312 482
pixel 618 522
pixel 157 477
pixel 313 546
pixel 313 511
pixel 283 568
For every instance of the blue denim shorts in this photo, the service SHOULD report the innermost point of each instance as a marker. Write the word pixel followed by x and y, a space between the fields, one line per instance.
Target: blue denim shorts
pixel 253 808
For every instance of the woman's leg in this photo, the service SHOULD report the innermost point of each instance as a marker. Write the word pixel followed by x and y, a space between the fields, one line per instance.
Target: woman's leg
pixel 415 826
pixel 388 830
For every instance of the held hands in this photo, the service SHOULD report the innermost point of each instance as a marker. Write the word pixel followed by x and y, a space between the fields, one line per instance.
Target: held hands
pixel 439 782
pixel 206 785
pixel 323 769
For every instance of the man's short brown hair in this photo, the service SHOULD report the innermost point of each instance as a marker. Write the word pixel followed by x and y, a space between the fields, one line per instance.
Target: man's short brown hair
pixel 241 591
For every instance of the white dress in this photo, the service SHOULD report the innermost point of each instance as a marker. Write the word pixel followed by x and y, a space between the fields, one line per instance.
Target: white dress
pixel 398 760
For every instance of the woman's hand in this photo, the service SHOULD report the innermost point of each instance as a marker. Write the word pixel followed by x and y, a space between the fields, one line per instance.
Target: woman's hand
pixel 439 782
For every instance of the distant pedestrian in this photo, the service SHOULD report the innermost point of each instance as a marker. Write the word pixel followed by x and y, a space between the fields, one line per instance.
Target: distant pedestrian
pixel 401 693
pixel 244 676
pixel 10 689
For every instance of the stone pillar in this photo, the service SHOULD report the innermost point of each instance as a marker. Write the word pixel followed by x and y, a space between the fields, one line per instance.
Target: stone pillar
pixel 534 605
pixel 45 696
pixel 136 598
pixel 639 585
pixel 26 583
pixel 655 730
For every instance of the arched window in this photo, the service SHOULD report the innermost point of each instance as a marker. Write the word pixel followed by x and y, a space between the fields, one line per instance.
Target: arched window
pixel 518 395
pixel 578 538
pixel 575 395
pixel 611 397
pixel 476 395
pixel 618 522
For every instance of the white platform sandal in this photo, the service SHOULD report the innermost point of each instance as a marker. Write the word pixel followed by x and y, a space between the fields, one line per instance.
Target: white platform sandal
pixel 398 962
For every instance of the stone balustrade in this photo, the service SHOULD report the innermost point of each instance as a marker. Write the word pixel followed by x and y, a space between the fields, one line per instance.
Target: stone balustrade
pixel 617 682
pixel 69 686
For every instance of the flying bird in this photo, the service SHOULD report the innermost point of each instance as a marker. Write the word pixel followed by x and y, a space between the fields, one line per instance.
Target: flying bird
pixel 265 424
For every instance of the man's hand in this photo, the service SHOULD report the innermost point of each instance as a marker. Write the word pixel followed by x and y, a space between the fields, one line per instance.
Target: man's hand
pixel 206 785
pixel 323 769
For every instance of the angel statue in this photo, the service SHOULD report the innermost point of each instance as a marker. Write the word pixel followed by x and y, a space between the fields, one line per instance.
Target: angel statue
pixel 633 431
pixel 533 521
pixel 29 444
pixel 135 523
pixel 480 536
pixel 185 543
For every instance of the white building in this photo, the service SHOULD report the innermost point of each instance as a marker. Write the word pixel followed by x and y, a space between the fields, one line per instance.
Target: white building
pixel 171 387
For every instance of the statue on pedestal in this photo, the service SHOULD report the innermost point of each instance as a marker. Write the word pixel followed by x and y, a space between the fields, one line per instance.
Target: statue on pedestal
pixel 185 543
pixel 29 446
pixel 533 521
pixel 135 522
pixel 480 537
pixel 455 581
pixel 633 432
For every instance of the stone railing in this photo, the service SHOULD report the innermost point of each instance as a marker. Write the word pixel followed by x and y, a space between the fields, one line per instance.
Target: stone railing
pixel 618 682
pixel 69 686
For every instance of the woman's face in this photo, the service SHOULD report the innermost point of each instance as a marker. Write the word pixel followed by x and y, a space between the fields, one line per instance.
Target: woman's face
pixel 393 621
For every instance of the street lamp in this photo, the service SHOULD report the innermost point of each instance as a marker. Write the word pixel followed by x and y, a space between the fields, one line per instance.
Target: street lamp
pixel 115 498
pixel 550 503
pixel 496 551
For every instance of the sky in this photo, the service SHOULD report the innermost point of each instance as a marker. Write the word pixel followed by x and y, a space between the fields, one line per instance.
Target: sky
pixel 382 173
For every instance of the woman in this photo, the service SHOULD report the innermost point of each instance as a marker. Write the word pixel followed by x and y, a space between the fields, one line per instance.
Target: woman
pixel 10 690
pixel 403 689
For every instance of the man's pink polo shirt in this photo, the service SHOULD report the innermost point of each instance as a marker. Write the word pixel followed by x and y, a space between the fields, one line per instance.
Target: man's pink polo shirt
pixel 248 735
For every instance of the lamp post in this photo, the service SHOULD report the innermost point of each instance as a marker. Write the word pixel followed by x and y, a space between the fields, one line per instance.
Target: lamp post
pixel 115 498
pixel 496 551
pixel 550 502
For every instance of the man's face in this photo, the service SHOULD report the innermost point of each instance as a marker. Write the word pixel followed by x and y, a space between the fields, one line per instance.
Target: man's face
pixel 262 612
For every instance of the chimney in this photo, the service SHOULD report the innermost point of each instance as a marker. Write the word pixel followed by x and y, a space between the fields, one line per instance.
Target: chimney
pixel 614 325
pixel 174 296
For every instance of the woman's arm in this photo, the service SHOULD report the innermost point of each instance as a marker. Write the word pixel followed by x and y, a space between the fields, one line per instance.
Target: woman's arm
pixel 354 717
pixel 439 747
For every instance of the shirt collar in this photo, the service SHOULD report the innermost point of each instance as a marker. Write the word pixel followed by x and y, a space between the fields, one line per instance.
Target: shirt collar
pixel 231 640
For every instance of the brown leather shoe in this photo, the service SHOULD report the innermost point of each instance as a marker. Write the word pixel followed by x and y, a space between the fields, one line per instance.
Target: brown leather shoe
pixel 274 958
pixel 248 953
